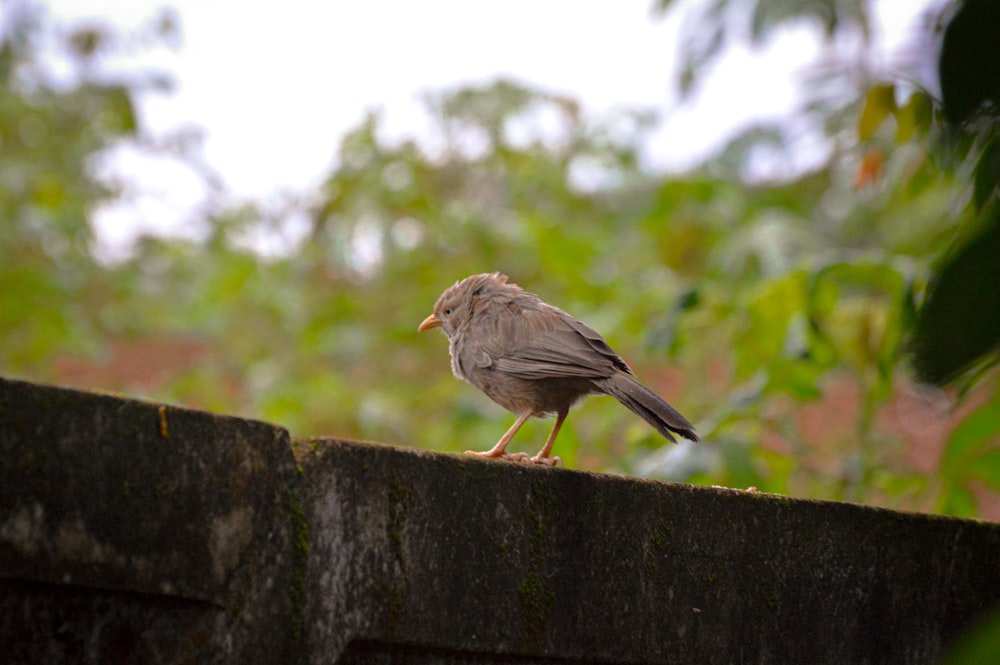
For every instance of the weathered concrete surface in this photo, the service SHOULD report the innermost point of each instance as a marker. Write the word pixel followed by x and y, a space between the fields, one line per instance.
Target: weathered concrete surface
pixel 450 552
pixel 204 540
pixel 131 528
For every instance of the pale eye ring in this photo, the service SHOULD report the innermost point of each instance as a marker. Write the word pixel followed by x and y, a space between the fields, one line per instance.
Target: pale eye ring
pixel 447 312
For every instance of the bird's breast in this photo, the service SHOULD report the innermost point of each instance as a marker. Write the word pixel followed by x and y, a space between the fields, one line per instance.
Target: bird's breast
pixel 456 360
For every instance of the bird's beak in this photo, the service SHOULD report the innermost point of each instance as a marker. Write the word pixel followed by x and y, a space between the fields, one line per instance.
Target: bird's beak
pixel 431 321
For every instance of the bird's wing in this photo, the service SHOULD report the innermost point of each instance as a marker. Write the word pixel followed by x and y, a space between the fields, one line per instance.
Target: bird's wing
pixel 545 342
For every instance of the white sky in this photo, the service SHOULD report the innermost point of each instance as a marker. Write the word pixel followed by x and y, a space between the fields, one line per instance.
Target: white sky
pixel 276 85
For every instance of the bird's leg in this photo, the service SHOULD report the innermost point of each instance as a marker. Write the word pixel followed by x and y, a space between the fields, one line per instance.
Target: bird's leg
pixel 500 450
pixel 543 455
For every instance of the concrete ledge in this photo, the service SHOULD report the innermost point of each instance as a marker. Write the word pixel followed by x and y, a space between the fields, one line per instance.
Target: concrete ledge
pixel 134 507
pixel 133 532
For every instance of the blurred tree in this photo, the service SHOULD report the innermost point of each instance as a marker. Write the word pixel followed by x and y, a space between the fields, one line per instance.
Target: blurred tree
pixel 958 328
pixel 772 314
pixel 52 127
pixel 47 135
pixel 712 27
pixel 863 287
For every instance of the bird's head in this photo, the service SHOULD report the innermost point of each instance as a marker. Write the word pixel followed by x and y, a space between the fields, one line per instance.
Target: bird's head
pixel 455 306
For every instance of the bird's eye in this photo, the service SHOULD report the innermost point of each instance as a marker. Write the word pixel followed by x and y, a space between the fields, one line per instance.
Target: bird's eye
pixel 447 312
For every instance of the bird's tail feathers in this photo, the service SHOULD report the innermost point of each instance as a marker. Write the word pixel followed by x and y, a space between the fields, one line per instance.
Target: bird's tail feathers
pixel 647 405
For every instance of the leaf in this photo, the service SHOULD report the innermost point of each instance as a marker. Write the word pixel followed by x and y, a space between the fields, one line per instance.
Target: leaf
pixel 959 321
pixel 969 439
pixel 870 169
pixel 798 379
pixel 699 52
pixel 880 103
pixel 986 175
pixel 987 467
pixel 89 40
pixel 978 644
pixel 766 325
pixel 970 60
pixel 914 115
pixel 958 502
pixel 829 14
pixel 118 116
pixel 856 310
pixel 662 6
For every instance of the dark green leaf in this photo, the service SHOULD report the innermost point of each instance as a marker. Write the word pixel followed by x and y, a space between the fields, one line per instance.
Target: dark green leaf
pixel 970 59
pixel 959 321
pixel 986 176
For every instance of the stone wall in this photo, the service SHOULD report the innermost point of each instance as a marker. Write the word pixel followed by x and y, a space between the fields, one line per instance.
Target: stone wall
pixel 133 532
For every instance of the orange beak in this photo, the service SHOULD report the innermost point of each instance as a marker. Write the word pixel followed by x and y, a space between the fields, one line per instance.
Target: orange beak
pixel 431 321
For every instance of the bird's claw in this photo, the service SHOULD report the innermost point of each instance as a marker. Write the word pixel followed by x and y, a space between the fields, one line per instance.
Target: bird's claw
pixel 519 458
pixel 488 454
pixel 547 461
pixel 524 458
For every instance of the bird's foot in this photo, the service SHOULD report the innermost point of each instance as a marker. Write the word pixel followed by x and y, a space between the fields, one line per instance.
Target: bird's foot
pixel 489 454
pixel 520 458
pixel 494 454
pixel 524 458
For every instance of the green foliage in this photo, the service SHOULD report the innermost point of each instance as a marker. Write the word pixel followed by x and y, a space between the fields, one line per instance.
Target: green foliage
pixel 49 135
pixel 971 456
pixel 959 322
pixel 881 290
pixel 776 316
pixel 957 328
pixel 959 325
pixel 978 645
pixel 716 24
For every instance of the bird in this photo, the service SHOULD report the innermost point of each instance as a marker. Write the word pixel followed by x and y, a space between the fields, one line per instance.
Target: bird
pixel 535 360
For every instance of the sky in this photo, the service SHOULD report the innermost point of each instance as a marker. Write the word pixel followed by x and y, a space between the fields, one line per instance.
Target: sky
pixel 274 86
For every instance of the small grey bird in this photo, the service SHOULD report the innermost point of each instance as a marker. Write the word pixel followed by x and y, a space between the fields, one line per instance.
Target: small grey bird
pixel 534 359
